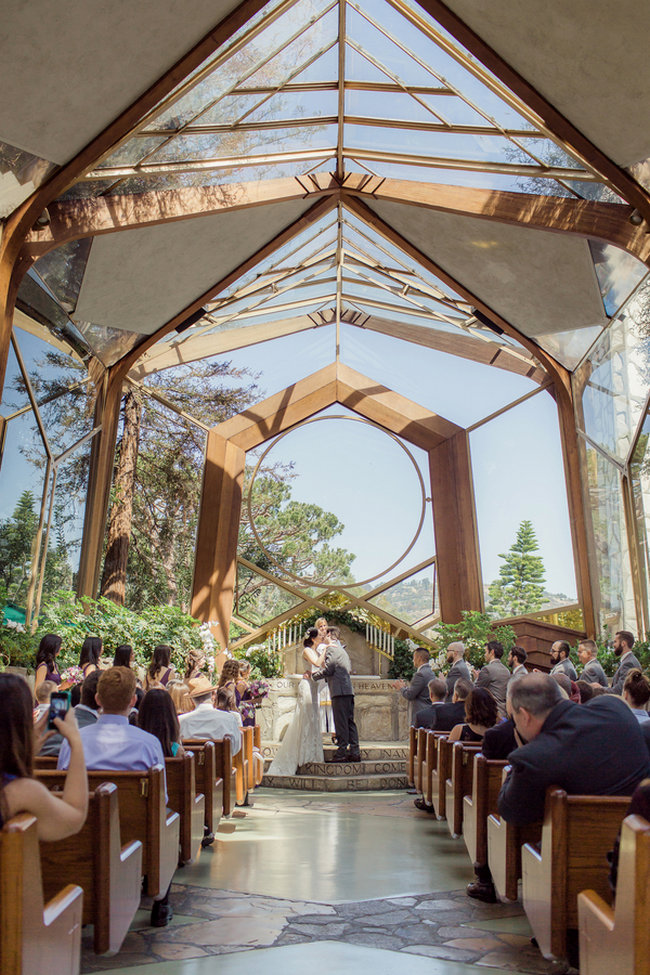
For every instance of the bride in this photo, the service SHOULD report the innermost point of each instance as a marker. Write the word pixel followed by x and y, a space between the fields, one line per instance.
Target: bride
pixel 302 742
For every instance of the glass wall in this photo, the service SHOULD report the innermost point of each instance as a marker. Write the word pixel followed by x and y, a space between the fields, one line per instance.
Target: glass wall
pixel 611 390
pixel 47 422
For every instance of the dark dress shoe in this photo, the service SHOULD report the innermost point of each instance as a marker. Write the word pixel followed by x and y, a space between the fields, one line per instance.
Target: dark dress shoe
pixel 161 914
pixel 421 804
pixel 482 892
pixel 354 758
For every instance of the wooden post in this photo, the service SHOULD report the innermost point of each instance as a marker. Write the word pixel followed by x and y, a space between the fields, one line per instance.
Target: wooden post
pixel 454 518
pixel 215 567
pixel 102 459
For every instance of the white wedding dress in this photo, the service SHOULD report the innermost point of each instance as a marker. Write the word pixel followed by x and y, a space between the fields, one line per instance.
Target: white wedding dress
pixel 302 741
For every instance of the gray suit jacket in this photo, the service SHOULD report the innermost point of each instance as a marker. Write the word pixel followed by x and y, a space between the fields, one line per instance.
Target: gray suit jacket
pixel 336 671
pixel 459 669
pixel 619 677
pixel 594 673
pixel 565 667
pixel 418 689
pixel 494 678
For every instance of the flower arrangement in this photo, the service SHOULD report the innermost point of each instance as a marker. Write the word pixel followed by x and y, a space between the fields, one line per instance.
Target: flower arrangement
pixel 247 710
pixel 72 675
pixel 259 689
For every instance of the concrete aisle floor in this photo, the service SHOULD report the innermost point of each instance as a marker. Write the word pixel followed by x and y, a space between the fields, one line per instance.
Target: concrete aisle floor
pixel 332 882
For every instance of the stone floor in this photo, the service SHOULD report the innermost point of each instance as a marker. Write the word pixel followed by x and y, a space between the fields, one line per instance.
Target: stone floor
pixel 339 881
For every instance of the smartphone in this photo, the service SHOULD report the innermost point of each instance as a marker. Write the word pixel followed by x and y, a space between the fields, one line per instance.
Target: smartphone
pixel 59 707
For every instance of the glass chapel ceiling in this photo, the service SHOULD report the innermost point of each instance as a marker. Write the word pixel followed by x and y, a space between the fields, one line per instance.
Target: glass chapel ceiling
pixel 311 85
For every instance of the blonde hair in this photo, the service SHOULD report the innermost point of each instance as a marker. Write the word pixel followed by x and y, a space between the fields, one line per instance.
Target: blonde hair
pixel 43 691
pixel 180 695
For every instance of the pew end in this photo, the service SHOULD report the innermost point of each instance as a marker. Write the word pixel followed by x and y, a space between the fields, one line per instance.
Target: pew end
pixel 185 799
pixel 477 806
pixel 34 935
pixel 618 938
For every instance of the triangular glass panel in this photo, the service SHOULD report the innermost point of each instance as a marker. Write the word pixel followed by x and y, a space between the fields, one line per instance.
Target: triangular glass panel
pixel 62 270
pixel 257 599
pixel 412 599
pixel 14 391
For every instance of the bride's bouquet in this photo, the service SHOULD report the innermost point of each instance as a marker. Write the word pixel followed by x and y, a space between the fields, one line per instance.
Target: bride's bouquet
pixel 70 677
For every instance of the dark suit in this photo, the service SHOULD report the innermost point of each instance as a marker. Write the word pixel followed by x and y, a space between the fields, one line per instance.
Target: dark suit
pixel 630 663
pixel 441 717
pixel 336 671
pixel 459 669
pixel 499 741
pixel 586 749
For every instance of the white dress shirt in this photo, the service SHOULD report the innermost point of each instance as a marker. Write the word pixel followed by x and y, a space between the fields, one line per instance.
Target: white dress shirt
pixel 207 722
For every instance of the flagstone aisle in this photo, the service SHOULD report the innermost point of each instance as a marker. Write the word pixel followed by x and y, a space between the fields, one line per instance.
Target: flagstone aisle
pixel 339 882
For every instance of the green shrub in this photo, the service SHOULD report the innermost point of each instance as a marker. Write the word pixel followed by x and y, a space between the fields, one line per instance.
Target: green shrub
pixel 474 630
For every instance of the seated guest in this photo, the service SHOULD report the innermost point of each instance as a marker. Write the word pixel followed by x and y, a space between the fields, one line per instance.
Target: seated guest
pixel 480 714
pixel 639 806
pixel 561 660
pixel 229 674
pixel 206 721
pixel 636 692
pixel 85 713
pixel 124 655
pixel 439 716
pixel 179 691
pixel 160 669
pixel 158 716
pixel 226 700
pixel 623 643
pixel 592 670
pixel 499 741
pixel 586 691
pixel 516 661
pixel 458 668
pixel 46 665
pixel 57 816
pixel 111 742
pixel 42 695
pixel 569 687
pixel 593 749
pixel 494 676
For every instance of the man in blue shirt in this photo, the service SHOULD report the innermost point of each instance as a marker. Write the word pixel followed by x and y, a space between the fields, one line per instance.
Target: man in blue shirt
pixel 113 744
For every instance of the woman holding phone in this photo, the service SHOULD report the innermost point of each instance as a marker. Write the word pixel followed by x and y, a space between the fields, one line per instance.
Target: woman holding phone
pixel 20 740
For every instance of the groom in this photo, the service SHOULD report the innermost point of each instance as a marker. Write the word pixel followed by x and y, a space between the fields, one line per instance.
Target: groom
pixel 336 671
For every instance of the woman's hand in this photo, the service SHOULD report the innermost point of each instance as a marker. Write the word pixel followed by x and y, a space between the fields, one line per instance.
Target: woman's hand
pixel 41 733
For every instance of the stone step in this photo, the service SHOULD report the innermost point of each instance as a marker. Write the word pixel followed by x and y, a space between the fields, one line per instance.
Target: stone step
pixel 370 751
pixel 336 783
pixel 353 768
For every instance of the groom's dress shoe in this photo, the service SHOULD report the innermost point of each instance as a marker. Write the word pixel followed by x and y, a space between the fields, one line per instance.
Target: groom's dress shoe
pixel 340 758
pixel 356 757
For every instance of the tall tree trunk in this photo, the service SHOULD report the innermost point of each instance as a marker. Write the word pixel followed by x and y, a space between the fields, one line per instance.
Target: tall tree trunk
pixel 119 520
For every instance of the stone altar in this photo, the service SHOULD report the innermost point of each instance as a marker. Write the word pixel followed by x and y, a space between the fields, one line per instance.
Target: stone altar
pixel 381 713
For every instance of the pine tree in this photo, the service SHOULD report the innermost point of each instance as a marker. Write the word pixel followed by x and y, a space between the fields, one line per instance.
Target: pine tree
pixel 520 586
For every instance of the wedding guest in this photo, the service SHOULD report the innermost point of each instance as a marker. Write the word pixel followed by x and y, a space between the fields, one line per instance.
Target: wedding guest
pixel 160 669
pixel 196 661
pixel 206 721
pixel 636 692
pixel 42 695
pixel 480 714
pixel 158 716
pixel 46 665
pixel 85 713
pixel 57 817
pixel 124 655
pixel 229 674
pixel 179 692
pixel 226 701
pixel 91 651
pixel 243 695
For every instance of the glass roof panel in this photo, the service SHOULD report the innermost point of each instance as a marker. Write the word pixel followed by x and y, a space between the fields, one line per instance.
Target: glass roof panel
pixel 618 273
pixel 14 393
pixel 296 105
pixel 20 174
pixel 62 271
pixel 450 145
pixel 248 142
pixel 132 152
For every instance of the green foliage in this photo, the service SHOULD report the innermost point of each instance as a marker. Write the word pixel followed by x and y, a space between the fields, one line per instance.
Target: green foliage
pixel 520 586
pixel 75 619
pixel 264 663
pixel 17 648
pixel 474 630
pixel 401 666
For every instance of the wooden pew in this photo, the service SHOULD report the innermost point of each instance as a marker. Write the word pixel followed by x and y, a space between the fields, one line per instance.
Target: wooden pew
pixel 618 939
pixel 439 777
pixel 459 783
pixel 34 936
pixel 223 765
pixel 211 785
pixel 411 760
pixel 577 833
pixel 189 803
pixel 247 749
pixel 504 849
pixel 419 760
pixel 109 873
pixel 240 765
pixel 143 816
pixel 430 762
pixel 486 783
